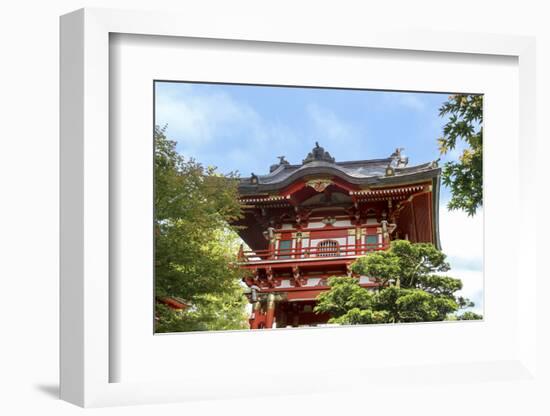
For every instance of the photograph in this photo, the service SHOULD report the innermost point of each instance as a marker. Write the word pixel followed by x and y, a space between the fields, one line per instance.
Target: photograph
pixel 289 207
pixel 188 182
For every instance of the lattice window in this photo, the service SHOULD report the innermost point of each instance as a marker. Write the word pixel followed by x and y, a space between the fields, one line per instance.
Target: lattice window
pixel 328 248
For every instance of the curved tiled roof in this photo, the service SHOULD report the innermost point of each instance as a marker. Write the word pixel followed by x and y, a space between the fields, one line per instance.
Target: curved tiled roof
pixel 361 172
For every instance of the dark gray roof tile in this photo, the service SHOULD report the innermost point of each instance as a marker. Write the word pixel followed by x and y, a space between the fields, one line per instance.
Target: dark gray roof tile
pixel 360 172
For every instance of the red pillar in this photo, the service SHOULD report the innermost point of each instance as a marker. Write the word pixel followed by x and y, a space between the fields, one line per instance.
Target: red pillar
pixel 256 317
pixel 270 311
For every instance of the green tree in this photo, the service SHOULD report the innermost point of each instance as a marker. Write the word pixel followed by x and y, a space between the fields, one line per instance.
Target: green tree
pixel 195 247
pixel 469 316
pixel 465 176
pixel 348 303
pixel 410 290
pixel 207 313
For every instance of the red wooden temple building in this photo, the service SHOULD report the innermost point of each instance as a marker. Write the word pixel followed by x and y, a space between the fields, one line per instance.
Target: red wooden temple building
pixel 304 223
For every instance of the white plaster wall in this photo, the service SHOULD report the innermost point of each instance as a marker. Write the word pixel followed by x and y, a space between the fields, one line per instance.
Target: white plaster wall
pixel 314 281
pixel 340 240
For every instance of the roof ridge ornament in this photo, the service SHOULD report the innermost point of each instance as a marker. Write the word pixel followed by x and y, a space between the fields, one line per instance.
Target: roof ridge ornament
pixel 318 153
pixel 398 159
pixel 282 162
pixel 434 163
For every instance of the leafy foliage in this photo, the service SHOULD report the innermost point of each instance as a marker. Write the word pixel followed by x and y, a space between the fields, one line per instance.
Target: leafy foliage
pixel 409 289
pixel 469 316
pixel 194 245
pixel 465 176
pixel 208 313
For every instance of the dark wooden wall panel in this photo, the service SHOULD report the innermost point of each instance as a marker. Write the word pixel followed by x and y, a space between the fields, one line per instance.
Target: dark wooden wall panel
pixel 421 206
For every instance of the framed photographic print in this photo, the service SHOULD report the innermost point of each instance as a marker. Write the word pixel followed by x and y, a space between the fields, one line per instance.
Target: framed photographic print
pixel 241 211
pixel 311 240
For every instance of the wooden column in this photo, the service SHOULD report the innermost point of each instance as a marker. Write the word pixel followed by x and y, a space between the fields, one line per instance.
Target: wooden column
pixel 270 310
pixel 255 319
pixel 295 314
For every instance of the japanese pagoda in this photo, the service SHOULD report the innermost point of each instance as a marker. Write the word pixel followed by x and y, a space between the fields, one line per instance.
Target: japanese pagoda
pixel 304 223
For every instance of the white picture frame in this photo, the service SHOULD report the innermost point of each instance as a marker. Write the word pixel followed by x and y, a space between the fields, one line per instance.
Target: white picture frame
pixel 86 356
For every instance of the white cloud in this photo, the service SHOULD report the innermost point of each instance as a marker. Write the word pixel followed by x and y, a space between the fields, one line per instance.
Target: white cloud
pixel 343 138
pixel 328 124
pixel 462 241
pixel 472 286
pixel 212 126
pixel 411 101
pixel 196 119
pixel 461 235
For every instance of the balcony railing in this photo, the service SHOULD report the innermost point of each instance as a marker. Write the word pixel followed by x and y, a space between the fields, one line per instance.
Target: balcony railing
pixel 310 252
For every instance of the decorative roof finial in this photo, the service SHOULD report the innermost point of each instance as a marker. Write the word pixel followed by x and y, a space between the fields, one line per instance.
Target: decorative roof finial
pixel 282 160
pixel 399 159
pixel 435 163
pixel 318 154
pixel 397 153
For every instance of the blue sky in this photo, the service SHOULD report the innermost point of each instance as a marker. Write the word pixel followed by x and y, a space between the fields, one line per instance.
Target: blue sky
pixel 243 128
